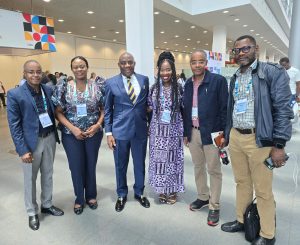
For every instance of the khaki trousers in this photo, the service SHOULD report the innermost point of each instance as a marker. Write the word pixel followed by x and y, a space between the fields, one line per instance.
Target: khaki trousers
pixel 206 156
pixel 250 172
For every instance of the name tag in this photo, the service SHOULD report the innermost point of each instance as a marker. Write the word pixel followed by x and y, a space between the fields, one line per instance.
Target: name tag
pixel 194 113
pixel 45 120
pixel 81 110
pixel 241 106
pixel 166 116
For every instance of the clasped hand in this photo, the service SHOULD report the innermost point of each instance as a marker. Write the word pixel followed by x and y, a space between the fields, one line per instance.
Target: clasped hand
pixel 81 135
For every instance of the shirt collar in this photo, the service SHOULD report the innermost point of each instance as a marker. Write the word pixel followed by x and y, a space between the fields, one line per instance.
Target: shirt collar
pixel 251 67
pixel 32 91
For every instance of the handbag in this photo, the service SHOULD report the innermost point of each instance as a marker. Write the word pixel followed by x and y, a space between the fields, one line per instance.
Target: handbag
pixel 251 222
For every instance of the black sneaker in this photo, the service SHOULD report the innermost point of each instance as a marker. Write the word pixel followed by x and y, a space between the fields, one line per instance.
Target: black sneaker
pixel 198 204
pixel 213 217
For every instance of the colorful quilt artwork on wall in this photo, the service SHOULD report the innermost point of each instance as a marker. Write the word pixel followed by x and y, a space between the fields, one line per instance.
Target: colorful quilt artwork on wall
pixel 39 32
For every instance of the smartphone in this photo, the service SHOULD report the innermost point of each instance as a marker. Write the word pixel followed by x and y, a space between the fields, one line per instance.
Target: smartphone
pixel 268 162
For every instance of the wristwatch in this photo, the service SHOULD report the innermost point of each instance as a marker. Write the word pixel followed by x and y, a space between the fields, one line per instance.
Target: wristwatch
pixel 278 145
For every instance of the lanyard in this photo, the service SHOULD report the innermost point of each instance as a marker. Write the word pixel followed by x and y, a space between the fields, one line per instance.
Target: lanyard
pixel 44 102
pixel 86 92
pixel 236 87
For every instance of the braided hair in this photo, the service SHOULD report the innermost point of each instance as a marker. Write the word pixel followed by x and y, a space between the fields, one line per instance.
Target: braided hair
pixel 174 87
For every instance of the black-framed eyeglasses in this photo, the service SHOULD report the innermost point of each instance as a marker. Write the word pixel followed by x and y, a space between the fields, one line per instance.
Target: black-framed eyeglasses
pixel 245 49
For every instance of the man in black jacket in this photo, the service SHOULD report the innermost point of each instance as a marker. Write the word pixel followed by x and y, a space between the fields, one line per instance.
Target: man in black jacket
pixel 258 126
pixel 205 103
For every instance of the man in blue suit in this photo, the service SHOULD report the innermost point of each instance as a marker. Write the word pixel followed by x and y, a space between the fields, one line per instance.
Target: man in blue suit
pixel 126 127
pixel 32 125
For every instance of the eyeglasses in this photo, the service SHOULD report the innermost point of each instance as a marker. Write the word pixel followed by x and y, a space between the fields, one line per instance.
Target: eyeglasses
pixel 38 73
pixel 245 49
pixel 198 62
pixel 123 63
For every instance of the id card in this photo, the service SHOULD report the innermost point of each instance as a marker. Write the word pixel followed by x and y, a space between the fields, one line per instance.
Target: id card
pixel 81 110
pixel 45 120
pixel 194 113
pixel 166 116
pixel 241 106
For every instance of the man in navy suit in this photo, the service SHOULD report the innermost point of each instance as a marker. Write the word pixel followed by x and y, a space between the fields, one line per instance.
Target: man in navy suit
pixel 126 127
pixel 32 125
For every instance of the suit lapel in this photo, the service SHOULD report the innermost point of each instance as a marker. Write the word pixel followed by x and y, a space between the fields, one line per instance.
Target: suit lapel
pixel 28 94
pixel 120 84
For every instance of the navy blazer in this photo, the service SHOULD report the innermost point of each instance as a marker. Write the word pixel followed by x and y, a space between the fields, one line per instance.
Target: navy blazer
pixel 23 118
pixel 212 106
pixel 123 118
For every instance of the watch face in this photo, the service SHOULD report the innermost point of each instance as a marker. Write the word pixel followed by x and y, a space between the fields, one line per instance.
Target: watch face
pixel 279 146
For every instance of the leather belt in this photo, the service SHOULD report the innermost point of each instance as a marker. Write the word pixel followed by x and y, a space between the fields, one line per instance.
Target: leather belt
pixel 44 135
pixel 195 127
pixel 246 130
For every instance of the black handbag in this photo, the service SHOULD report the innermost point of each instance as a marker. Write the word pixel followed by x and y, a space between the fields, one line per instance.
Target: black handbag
pixel 251 222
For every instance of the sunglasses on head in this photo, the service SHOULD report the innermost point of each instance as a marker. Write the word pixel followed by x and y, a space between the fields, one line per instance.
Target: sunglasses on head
pixel 245 49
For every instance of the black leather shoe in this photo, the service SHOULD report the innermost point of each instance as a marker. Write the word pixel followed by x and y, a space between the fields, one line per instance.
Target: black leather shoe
pixel 120 204
pixel 263 241
pixel 233 226
pixel 53 211
pixel 78 210
pixel 92 205
pixel 143 201
pixel 198 204
pixel 34 222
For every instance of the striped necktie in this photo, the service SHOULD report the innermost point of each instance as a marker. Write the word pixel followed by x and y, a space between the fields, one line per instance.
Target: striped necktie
pixel 131 92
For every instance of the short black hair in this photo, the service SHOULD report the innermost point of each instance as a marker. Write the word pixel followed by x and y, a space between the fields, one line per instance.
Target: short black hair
pixel 166 55
pixel 252 39
pixel 81 58
pixel 284 59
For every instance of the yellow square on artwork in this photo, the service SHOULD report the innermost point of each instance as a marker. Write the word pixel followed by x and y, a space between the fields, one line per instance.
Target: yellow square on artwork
pixel 50 22
pixel 45 46
pixel 28 36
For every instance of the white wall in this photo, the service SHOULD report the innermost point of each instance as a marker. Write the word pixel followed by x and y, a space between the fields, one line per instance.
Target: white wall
pixel 102 57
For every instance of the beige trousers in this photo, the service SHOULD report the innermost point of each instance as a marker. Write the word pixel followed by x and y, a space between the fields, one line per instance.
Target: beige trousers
pixel 250 172
pixel 206 160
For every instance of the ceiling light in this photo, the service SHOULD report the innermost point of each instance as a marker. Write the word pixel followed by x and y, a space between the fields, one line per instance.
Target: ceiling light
pixel 245 25
pixel 117 32
pixel 185 46
pixel 156 12
pixel 47 1
pixel 94 36
pixel 90 12
pixel 257 34
pixel 225 11
pixel 194 48
pixel 92 27
pixel 230 41
pixel 198 41
pixel 165 42
pixel 265 40
pixel 176 50
pixel 252 30
pixel 176 36
pixel 269 42
pixel 237 19
pixel 69 32
pixel 204 32
pixel 60 20
pixel 183 51
pixel 261 37
pixel 156 47
pixel 167 48
pixel 162 32
pixel 121 21
pixel 193 27
pixel 114 40
pixel 188 39
pixel 176 21
pixel 206 44
pixel 176 44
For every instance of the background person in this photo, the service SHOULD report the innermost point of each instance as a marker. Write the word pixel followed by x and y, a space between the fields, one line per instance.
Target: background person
pixel 30 115
pixel 80 113
pixel 2 94
pixel 166 134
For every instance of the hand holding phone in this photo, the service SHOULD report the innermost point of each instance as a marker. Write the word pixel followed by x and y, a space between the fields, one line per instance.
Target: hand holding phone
pixel 269 163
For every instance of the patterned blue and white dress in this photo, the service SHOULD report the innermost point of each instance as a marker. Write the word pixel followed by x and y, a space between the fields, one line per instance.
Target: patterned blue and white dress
pixel 165 147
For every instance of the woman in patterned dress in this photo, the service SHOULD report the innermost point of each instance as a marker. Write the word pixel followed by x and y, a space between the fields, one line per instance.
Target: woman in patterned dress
pixel 166 134
pixel 79 110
